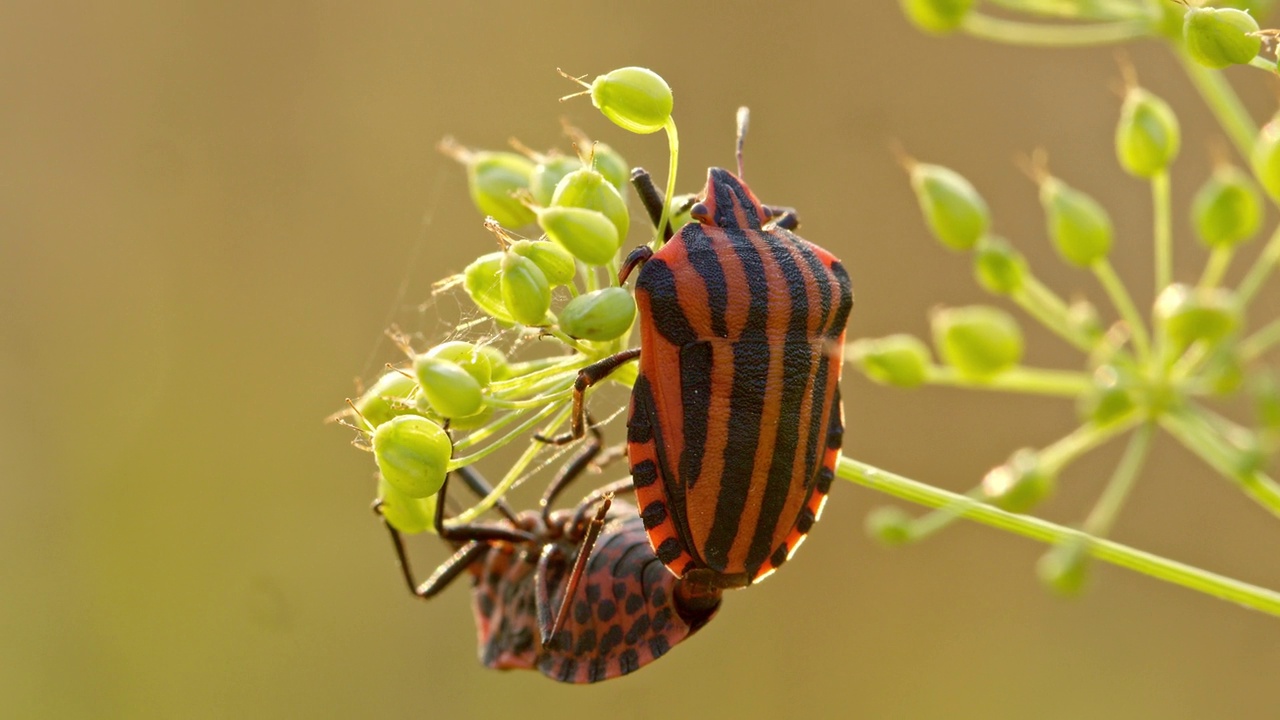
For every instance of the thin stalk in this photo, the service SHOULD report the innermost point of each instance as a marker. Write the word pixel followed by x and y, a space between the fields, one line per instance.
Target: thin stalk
pixel 1171 571
pixel 1014 32
pixel 1216 268
pixel 1163 224
pixel 1254 346
pixel 1038 381
pixel 1103 515
pixel 1063 451
pixel 1051 311
pixel 1261 269
pixel 1197 434
pixel 1124 305
pixel 515 473
pixel 673 144
pixel 1223 102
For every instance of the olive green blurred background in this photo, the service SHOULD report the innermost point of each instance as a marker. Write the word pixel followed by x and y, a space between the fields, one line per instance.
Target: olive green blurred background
pixel 211 211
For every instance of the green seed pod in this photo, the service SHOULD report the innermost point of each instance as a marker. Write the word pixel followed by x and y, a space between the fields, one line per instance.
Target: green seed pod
pixel 1185 314
pixel 548 173
pixel 635 98
pixel 588 189
pixel 601 315
pixel 1147 136
pixel 610 163
pixel 890 525
pixel 1079 227
pixel 483 282
pixel 978 341
pixel 586 234
pixel 553 260
pixel 998 267
pixel 469 422
pixel 1265 158
pixel 525 290
pixel 492 177
pixel 1220 37
pixel 466 356
pixel 955 212
pixel 1019 484
pixel 936 16
pixel 1065 568
pixel 1227 209
pixel 386 398
pixel 409 515
pixel 413 454
pixel 901 360
pixel 498 367
pixel 1110 398
pixel 450 390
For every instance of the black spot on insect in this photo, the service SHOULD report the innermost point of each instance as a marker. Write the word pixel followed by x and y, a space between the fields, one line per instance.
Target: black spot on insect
pixel 659 646
pixel 634 603
pixel 654 514
pixel 486 604
pixel 563 640
pixel 619 590
pixel 582 612
pixel 806 520
pixel 825 476
pixel 779 556
pixel 597 669
pixel 606 610
pixel 661 618
pixel 669 550
pixel 637 630
pixel 644 474
pixel 593 593
pixel 611 639
pixel 628 661
pixel 522 641
pixel 659 596
pixel 586 642
pixel 567 669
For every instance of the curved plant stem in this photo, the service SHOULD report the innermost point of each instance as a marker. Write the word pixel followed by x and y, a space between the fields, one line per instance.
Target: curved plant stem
pixel 1223 102
pixel 1194 578
pixel 1216 268
pixel 1124 305
pixel 1045 306
pixel 1162 223
pixel 1065 383
pixel 1263 64
pixel 1013 32
pixel 673 143
pixel 1261 269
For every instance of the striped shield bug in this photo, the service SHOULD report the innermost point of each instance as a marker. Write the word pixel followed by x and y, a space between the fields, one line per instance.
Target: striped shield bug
pixel 576 594
pixel 735 422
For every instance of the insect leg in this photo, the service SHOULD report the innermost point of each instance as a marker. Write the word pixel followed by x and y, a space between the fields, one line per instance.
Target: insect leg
pixel 588 376
pixel 549 632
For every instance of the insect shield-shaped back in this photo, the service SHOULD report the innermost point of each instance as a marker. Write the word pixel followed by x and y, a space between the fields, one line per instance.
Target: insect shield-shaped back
pixel 626 612
pixel 735 420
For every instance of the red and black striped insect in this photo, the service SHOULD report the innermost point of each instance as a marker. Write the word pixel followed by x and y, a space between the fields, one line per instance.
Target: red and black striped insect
pixel 735 421
pixel 577 594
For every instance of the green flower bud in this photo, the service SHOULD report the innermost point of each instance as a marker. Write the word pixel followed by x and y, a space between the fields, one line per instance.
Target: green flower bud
pixel 1111 397
pixel 1065 568
pixel 635 98
pixel 525 290
pixel 498 367
pixel 1265 158
pixel 588 189
pixel 587 234
pixel 469 422
pixel 955 212
pixel 548 173
pixel 466 356
pixel 1079 227
pixel 1147 136
pixel 936 16
pixel 492 177
pixel 1019 484
pixel 610 163
pixel 1227 209
pixel 483 282
pixel 901 360
pixel 890 525
pixel 553 260
pixel 600 315
pixel 978 341
pixel 386 398
pixel 450 390
pixel 1186 315
pixel 999 268
pixel 413 454
pixel 1219 37
pixel 409 515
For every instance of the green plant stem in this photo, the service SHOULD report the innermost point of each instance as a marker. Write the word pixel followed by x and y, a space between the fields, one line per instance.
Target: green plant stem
pixel 1124 305
pixel 1216 267
pixel 1042 304
pixel 1223 102
pixel 1078 10
pixel 673 143
pixel 1194 430
pixel 1171 571
pixel 1263 64
pixel 517 470
pixel 1014 32
pixel 1254 346
pixel 1063 451
pixel 1163 225
pixel 1257 274
pixel 1064 383
pixel 1103 515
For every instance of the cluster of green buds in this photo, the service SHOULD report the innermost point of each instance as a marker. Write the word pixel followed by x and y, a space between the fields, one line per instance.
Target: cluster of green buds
pixel 1160 369
pixel 560 221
